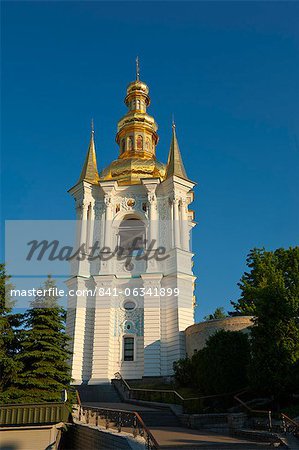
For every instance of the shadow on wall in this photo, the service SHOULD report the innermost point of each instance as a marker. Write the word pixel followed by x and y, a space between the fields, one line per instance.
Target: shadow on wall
pixel 10 447
pixel 153 360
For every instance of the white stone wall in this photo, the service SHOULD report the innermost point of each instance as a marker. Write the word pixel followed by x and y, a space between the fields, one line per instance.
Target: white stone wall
pixel 96 323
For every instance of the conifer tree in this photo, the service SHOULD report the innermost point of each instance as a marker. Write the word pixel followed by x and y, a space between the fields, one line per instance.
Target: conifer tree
pixel 9 366
pixel 44 354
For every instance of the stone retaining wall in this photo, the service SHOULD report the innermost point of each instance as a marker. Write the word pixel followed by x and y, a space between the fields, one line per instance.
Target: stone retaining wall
pixel 197 334
pixel 80 437
pixel 216 422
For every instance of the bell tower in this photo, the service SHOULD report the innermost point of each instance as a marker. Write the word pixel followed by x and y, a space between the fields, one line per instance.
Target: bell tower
pixel 131 291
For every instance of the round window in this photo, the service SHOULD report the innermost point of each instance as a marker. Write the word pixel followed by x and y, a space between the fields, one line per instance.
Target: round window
pixel 129 305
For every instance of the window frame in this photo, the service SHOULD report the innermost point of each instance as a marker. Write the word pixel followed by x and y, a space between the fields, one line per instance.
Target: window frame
pixel 128 336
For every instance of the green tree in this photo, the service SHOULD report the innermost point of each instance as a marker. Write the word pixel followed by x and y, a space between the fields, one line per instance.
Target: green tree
pixel 9 366
pixel 219 313
pixel 221 366
pixel 44 353
pixel 183 369
pixel 270 291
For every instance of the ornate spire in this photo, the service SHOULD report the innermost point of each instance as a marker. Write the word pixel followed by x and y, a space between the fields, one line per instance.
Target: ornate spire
pixel 137 69
pixel 90 171
pixel 175 166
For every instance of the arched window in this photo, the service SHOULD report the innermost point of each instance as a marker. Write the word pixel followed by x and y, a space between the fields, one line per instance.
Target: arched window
pixel 139 142
pixel 128 348
pixel 131 236
pixel 123 145
pixel 137 104
pixel 130 143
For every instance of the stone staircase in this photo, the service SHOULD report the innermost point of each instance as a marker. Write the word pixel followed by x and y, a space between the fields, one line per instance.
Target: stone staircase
pixel 164 425
pixel 159 418
pixel 101 393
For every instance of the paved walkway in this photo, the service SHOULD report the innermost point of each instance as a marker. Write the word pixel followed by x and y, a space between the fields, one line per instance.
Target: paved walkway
pixel 178 437
pixel 174 437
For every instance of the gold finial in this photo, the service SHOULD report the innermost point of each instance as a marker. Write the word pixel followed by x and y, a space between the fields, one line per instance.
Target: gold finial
pixel 92 126
pixel 173 122
pixel 137 69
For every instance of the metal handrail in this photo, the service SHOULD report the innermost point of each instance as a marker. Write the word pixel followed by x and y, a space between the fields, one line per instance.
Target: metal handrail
pixel 78 397
pixel 166 391
pixel 182 400
pixel 121 418
pixel 252 411
pixel 293 425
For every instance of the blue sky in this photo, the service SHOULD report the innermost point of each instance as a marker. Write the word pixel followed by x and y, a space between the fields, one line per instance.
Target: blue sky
pixel 228 71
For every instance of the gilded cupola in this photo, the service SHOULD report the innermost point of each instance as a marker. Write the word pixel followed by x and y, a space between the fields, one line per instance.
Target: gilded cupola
pixel 137 139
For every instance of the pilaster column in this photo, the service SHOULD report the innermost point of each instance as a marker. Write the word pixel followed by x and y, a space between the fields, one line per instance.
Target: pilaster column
pixel 103 331
pixel 152 324
pixel 171 225
pixel 90 228
pixel 153 219
pixel 84 207
pixel 108 221
pixel 96 239
pixel 75 327
pixel 176 222
pixel 184 225
pixel 79 264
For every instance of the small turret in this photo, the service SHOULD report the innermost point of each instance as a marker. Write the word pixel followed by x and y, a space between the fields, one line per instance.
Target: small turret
pixel 90 171
pixel 175 166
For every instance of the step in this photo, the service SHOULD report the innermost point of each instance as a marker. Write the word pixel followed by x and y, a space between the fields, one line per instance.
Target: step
pixel 102 393
pixel 159 418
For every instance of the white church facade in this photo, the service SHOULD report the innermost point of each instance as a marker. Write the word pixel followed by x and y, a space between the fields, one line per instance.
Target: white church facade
pixel 133 307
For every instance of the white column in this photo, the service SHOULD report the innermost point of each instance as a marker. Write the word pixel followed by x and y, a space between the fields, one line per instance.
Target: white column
pixel 153 219
pixel 152 325
pixel 82 263
pixel 103 331
pixel 184 225
pixel 90 228
pixel 108 221
pixel 177 240
pixel 171 229
pixel 75 327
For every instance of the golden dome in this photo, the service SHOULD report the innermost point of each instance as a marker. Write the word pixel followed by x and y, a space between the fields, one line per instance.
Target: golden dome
pixel 132 170
pixel 137 139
